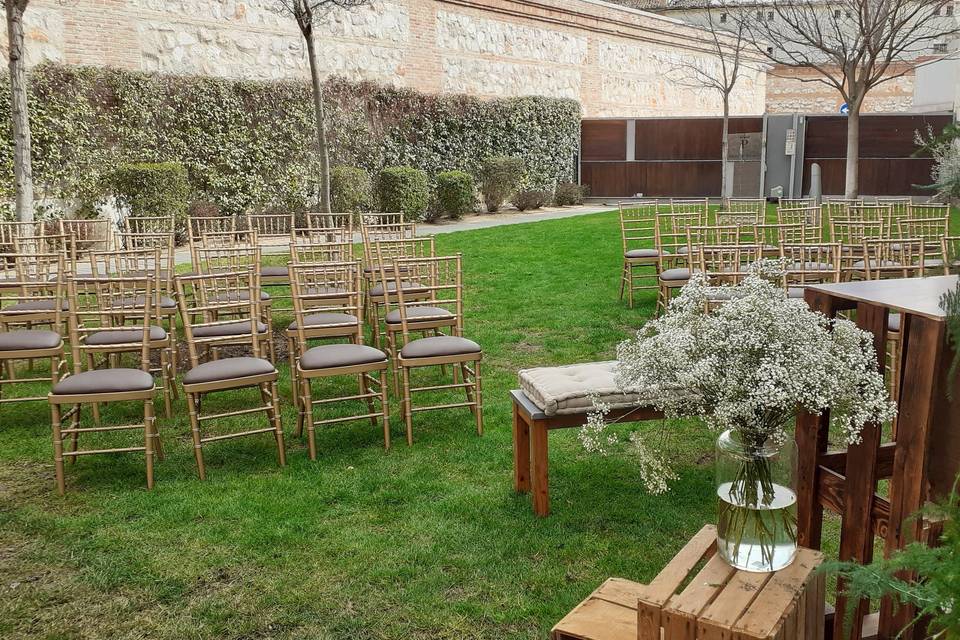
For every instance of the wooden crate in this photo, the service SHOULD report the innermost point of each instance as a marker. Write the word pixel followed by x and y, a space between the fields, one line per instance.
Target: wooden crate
pixel 609 613
pixel 718 603
pixel 721 603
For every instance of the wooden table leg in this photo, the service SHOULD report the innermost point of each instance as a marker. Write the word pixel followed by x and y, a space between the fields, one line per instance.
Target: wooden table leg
pixel 521 452
pixel 540 479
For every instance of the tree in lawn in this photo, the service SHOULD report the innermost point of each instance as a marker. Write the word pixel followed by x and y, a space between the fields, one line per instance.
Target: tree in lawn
pixel 308 13
pixel 20 115
pixel 720 69
pixel 852 46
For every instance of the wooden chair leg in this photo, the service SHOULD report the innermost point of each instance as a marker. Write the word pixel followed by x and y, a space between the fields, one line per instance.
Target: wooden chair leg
pixel 394 360
pixel 91 364
pixel 148 439
pixel 308 403
pixel 75 436
pixel 173 355
pixel 467 389
pixel 277 425
pixel 292 361
pixel 193 402
pixel 478 396
pixel 385 408
pixel 623 279
pixel 157 442
pixel 57 447
pixel 630 285
pixel 405 406
pixel 365 389
pixel 302 405
pixel 168 383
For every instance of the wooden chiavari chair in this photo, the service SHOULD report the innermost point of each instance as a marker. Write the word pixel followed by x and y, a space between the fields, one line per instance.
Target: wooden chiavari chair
pixel 724 265
pixel 637 221
pixel 372 219
pixel 113 312
pixel 851 235
pixel 199 226
pixel 313 250
pixel 670 233
pixel 928 210
pixel 326 301
pixel 892 258
pixel 384 253
pixel 151 225
pixel 235 294
pixel 442 277
pixel 796 203
pixel 838 208
pixel 10 231
pixel 273 230
pixel 810 217
pixel 166 306
pixel 137 264
pixel 327 227
pixel 951 254
pixel 234 259
pixel 771 236
pixel 756 206
pixel 745 222
pixel 931 230
pixel 25 302
pixel 809 263
pixel 899 207
pixel 330 305
pixel 694 206
pixel 89 234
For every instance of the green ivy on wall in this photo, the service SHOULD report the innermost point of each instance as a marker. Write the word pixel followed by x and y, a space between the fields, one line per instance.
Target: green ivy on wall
pixel 251 144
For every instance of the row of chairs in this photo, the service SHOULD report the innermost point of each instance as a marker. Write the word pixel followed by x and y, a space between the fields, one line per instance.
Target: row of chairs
pixel 221 306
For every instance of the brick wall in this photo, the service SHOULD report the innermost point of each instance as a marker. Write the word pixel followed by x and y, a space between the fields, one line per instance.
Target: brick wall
pixel 617 61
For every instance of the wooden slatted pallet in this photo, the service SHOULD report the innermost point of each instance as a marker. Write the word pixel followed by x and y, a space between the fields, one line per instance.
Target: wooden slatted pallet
pixel 718 603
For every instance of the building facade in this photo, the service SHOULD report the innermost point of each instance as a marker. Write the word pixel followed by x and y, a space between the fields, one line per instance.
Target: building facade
pixel 614 59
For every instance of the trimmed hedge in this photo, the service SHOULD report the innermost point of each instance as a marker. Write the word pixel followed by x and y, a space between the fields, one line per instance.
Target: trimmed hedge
pixel 456 193
pixel 500 177
pixel 533 199
pixel 152 189
pixel 404 189
pixel 248 144
pixel 351 190
pixel 569 194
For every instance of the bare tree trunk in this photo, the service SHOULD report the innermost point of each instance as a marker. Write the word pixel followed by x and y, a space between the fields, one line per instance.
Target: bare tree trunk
pixel 22 168
pixel 318 108
pixel 725 147
pixel 852 188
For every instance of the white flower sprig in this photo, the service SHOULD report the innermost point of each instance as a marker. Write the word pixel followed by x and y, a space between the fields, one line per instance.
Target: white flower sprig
pixel 750 363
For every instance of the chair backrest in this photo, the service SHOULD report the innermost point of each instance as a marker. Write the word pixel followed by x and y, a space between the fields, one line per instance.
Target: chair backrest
pixel 29 284
pixel 810 217
pixel 811 263
pixel 371 234
pixel 148 225
pixel 89 234
pixel 223 298
pixel 328 287
pixel 439 283
pixel 712 235
pixel 899 206
pixel 228 260
pixel 950 247
pixel 726 264
pixel 637 220
pixel 11 230
pixel 163 243
pixel 310 250
pixel 928 210
pixel 852 232
pixel 148 263
pixel 386 251
pixel 773 235
pixel 271 227
pixel 746 205
pixel 326 227
pixel 109 304
pixel 796 203
pixel 930 229
pixel 699 206
pixel 47 243
pixel 893 257
pixel 869 213
pixel 198 226
pixel 838 207
pixel 372 219
pixel 671 230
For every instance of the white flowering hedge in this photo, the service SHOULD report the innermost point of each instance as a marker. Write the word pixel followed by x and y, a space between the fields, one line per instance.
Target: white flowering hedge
pixel 249 143
pixel 748 365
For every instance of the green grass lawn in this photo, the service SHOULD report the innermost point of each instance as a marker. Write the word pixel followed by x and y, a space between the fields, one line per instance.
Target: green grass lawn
pixel 421 542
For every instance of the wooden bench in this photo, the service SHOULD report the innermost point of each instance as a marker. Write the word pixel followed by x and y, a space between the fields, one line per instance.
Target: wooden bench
pixel 530 429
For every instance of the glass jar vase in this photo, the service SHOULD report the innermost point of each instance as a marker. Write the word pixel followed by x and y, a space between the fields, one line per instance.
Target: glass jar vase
pixel 757 502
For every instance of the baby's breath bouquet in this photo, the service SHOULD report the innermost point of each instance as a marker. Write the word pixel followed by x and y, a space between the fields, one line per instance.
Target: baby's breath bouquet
pixel 744 368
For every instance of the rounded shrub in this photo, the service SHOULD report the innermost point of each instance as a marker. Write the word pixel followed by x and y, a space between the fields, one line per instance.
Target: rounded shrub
pixel 404 189
pixel 499 178
pixel 351 189
pixel 530 199
pixel 455 193
pixel 569 193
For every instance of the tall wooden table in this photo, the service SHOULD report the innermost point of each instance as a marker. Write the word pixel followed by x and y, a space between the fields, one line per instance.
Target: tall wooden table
pixel 920 463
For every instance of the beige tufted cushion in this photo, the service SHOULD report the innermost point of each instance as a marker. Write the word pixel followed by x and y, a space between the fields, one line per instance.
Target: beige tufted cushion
pixel 569 389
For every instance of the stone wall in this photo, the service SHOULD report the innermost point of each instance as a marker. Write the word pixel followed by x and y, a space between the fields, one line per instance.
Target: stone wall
pixel 617 61
pixel 795 90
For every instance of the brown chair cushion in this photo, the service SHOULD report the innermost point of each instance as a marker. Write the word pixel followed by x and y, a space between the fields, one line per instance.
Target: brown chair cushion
pixel 133 334
pixel 412 287
pixel 232 296
pixel 327 356
pixel 675 275
pixel 238 328
pixel 439 346
pixel 25 339
pixel 642 253
pixel 104 381
pixel 326 319
pixel 165 302
pixel 274 271
pixel 893 322
pixel 419 313
pixel 228 369
pixel 43 304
